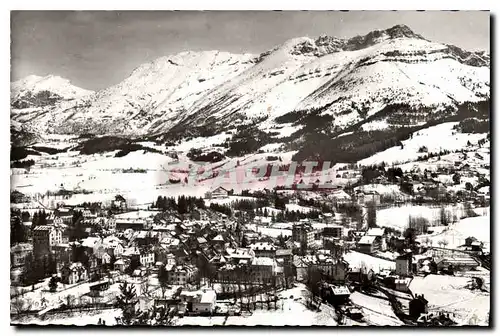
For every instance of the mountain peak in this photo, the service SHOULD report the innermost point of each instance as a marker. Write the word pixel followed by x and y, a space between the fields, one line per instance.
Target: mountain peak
pixel 326 44
pixel 401 30
pixel 32 85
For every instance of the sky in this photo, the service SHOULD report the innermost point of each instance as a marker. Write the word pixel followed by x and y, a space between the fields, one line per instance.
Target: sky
pixel 97 49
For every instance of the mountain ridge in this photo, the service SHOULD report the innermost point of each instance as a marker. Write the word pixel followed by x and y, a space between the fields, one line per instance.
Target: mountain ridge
pixel 349 80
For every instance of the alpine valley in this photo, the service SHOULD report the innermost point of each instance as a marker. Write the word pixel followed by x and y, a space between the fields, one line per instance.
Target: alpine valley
pixel 327 181
pixel 329 99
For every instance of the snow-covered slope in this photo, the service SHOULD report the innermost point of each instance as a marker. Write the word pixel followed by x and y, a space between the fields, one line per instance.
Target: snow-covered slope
pixel 434 139
pixel 349 79
pixel 55 85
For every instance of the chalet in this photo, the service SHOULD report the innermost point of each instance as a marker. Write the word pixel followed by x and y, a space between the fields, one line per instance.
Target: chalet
pixel 120 203
pixel 218 240
pixel 74 273
pixel 105 259
pixel 120 265
pixel 402 285
pixel 340 197
pixel 368 244
pixel 376 232
pixel 200 302
pixel 239 256
pixel 87 214
pixel 219 192
pixel 65 214
pixel 263 220
pixel 109 223
pixel 470 240
pixel 206 302
pixel 113 246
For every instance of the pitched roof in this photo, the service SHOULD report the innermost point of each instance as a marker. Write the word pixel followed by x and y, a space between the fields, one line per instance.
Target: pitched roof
pixel 208 296
pixel 43 228
pixel 367 240
pixel 375 232
pixel 340 290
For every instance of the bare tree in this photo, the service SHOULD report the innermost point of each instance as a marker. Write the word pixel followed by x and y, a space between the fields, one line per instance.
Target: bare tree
pixel 18 304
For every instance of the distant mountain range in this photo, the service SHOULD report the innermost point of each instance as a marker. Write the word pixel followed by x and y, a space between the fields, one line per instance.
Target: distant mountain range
pixel 385 79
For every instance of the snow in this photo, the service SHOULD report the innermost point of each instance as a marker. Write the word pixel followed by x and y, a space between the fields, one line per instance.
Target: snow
pixel 137 214
pixel 54 84
pixel 448 293
pixel 270 231
pixel 382 189
pixel 197 87
pixel 435 138
pixel 75 319
pixel 456 233
pixel 357 259
pixel 397 217
pixel 377 310
pixel 296 207
pixel 272 147
pixel 202 142
pixel 285 315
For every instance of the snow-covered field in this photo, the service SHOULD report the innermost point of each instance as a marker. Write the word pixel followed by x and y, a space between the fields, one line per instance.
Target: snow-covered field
pixel 290 312
pixel 398 217
pixel 455 234
pixel 270 231
pixel 357 259
pixel 435 138
pixel 448 294
pixel 74 319
pixel 376 311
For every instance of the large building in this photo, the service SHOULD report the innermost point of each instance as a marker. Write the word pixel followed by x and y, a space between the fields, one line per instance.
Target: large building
pixel 263 249
pixel 180 274
pixel 303 233
pixel 263 269
pixel 218 192
pixel 44 238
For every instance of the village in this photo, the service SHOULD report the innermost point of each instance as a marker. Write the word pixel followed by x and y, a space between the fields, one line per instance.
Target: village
pixel 226 258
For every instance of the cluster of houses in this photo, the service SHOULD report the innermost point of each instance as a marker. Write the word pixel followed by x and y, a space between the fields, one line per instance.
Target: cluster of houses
pixel 210 246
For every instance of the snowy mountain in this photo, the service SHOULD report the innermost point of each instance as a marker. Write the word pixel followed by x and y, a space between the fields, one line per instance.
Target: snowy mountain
pixel 343 82
pixel 37 91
